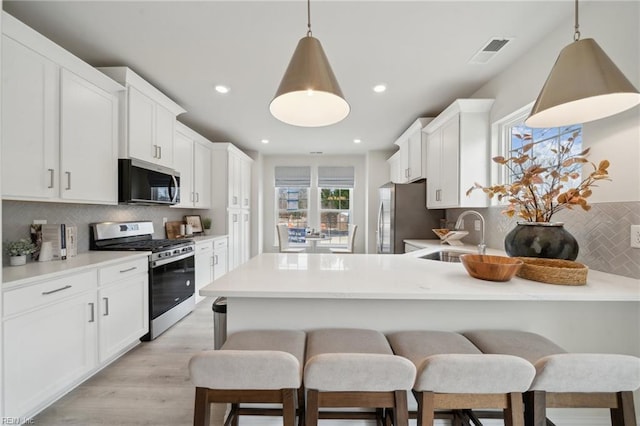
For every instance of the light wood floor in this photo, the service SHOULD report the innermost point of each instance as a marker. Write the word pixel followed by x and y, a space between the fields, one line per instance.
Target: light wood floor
pixel 147 386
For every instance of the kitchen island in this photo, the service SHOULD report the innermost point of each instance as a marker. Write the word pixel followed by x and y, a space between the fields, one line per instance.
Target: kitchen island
pixel 406 292
pixel 393 292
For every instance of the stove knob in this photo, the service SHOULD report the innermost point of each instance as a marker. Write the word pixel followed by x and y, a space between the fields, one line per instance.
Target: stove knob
pixel 176 252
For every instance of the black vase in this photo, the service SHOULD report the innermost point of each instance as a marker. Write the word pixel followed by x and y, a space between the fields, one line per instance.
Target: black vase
pixel 541 239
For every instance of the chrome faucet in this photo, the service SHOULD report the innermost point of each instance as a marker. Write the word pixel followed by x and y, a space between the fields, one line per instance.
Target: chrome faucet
pixel 482 247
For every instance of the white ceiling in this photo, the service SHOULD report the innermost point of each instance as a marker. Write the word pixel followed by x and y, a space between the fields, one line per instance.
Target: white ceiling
pixel 420 49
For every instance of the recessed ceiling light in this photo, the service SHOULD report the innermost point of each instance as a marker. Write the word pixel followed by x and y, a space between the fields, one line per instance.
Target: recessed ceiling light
pixel 265 141
pixel 222 89
pixel 379 88
pixel 357 140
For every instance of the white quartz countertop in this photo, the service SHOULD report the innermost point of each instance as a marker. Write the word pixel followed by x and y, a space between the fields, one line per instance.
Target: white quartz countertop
pixel 201 238
pixel 15 276
pixel 399 277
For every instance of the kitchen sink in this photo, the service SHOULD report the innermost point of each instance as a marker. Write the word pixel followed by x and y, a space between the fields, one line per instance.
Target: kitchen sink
pixel 444 256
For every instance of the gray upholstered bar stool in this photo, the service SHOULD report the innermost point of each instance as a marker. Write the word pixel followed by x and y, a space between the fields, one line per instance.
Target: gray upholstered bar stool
pixel 262 366
pixel 452 374
pixel 349 368
pixel 565 380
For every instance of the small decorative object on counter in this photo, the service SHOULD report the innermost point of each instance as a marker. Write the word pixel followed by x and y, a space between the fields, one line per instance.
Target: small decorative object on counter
pixel 539 187
pixel 18 251
pixel 489 267
pixel 553 271
pixel 206 224
pixel 195 222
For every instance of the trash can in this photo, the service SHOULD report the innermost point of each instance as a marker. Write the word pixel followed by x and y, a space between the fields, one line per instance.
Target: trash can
pixel 219 308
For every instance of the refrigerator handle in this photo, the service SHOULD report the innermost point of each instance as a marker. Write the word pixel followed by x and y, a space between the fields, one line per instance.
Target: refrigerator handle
pixel 379 233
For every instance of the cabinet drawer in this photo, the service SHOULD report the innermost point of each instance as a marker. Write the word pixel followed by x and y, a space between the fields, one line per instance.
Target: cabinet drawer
pixel 204 247
pixel 220 244
pixel 122 270
pixel 44 292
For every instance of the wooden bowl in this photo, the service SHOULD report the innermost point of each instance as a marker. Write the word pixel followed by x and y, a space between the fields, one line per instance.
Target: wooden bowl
pixel 490 268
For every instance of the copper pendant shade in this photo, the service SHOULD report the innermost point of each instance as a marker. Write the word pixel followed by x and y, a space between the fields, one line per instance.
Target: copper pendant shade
pixel 309 94
pixel 584 85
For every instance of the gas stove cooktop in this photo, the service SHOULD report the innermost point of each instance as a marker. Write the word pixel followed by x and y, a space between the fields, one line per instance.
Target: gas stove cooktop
pixel 134 236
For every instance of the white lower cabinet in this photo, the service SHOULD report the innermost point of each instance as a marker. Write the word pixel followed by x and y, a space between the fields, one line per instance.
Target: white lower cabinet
pixel 220 250
pixel 204 261
pixel 49 349
pixel 123 312
pixel 58 332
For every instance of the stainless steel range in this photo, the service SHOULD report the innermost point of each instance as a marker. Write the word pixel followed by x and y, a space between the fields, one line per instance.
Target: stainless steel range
pixel 171 269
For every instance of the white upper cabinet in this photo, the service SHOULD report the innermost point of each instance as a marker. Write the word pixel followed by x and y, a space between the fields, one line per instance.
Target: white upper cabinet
pixel 410 163
pixel 193 162
pixel 458 154
pixel 147 119
pixel 396 172
pixel 57 112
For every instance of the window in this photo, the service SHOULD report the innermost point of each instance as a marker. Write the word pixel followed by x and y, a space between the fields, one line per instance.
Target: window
pixel 325 206
pixel 335 187
pixel 292 200
pixel 547 142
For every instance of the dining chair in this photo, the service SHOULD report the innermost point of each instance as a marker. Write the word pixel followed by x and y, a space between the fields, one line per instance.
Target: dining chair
pixel 351 239
pixel 283 240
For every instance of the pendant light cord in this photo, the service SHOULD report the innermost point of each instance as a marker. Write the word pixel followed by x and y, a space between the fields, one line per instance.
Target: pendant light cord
pixel 309 18
pixel 576 34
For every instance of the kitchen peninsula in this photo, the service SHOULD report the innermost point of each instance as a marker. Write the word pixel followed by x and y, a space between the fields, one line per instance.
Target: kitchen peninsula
pixel 394 292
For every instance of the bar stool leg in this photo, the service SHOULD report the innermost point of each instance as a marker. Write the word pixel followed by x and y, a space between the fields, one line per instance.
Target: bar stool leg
pixel 513 413
pixel 202 408
pixel 624 414
pixel 426 405
pixel 535 411
pixel 312 408
pixel 400 409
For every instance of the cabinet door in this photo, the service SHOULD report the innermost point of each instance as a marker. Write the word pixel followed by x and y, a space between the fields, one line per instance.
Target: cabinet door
pixel 245 251
pixel 46 351
pixel 204 266
pixel 165 125
pixel 183 161
pixel 404 161
pixel 123 314
pixel 434 154
pixel 245 183
pixel 449 164
pixel 415 156
pixel 220 250
pixel 235 173
pixel 30 162
pixel 141 127
pixel 88 141
pixel 202 176
pixel 235 240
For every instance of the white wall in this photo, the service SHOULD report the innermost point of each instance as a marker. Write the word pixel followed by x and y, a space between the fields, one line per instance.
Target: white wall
pixel 359 206
pixel 614 25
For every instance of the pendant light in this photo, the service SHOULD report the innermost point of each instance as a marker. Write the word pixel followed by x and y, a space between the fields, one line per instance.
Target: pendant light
pixel 584 85
pixel 309 94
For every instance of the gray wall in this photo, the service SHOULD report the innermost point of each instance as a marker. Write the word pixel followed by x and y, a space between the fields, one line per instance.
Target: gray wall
pixel 18 215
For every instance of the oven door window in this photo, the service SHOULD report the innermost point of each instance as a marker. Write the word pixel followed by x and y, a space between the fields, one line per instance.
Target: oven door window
pixel 170 285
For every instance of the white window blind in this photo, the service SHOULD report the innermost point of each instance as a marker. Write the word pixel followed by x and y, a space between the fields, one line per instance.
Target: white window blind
pixel 293 177
pixel 335 177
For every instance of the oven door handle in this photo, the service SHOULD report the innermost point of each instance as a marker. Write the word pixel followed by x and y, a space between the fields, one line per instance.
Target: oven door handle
pixel 171 259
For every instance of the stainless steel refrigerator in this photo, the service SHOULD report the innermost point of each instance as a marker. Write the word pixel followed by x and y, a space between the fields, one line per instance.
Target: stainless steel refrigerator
pixel 403 215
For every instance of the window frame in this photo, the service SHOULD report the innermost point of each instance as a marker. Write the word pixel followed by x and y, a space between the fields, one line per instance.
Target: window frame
pixel 321 210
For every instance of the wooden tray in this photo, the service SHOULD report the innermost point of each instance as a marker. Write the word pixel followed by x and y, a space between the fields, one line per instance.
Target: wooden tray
pixel 553 271
pixel 173 230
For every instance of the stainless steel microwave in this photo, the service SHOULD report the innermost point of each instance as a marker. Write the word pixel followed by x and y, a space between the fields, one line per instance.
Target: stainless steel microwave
pixel 140 182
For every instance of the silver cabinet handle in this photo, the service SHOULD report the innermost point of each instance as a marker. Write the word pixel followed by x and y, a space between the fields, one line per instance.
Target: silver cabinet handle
pixel 155 151
pixel 159 152
pixel 68 180
pixel 93 315
pixel 235 217
pixel 133 268
pixel 197 197
pixel 44 293
pixel 235 200
pixel 246 201
pixel 106 306
pixel 50 178
pixel 215 259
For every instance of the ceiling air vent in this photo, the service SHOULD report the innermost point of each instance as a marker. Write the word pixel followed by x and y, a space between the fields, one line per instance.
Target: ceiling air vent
pixel 490 49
